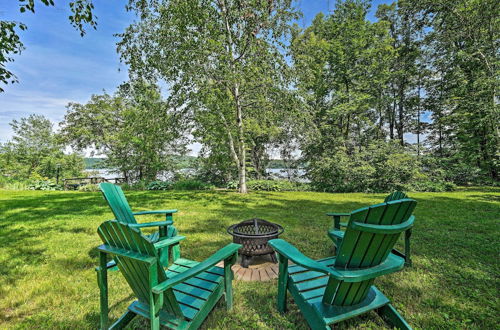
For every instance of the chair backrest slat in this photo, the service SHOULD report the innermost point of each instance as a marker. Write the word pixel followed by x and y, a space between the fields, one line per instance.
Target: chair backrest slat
pixel 363 249
pixel 395 196
pixel 120 235
pixel 117 202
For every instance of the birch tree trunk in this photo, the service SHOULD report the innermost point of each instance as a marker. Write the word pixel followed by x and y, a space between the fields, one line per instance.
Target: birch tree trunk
pixel 242 170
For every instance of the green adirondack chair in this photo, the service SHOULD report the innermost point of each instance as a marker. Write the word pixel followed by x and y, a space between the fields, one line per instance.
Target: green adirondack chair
pixel 336 233
pixel 118 203
pixel 178 297
pixel 334 289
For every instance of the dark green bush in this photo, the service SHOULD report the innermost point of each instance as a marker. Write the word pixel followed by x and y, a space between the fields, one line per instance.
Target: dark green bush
pixel 89 187
pixel 191 184
pixel 139 185
pixel 272 185
pixel 160 185
pixel 380 167
pixel 182 184
pixel 433 186
pixel 44 185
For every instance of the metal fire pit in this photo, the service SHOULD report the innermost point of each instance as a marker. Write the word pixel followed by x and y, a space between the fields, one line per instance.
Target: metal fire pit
pixel 253 234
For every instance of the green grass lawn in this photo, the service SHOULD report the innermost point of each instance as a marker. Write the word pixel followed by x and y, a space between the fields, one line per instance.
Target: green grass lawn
pixel 48 255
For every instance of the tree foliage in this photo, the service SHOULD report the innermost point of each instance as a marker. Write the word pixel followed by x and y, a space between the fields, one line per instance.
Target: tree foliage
pixel 462 53
pixel 135 129
pixel 405 100
pixel 367 83
pixel 36 152
pixel 223 61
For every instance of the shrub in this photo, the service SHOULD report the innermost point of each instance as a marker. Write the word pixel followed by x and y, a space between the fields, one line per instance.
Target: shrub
pixel 192 185
pixel 139 185
pixel 433 186
pixel 272 185
pixel 13 184
pixel 89 187
pixel 380 167
pixel 44 185
pixel 186 184
pixel 160 185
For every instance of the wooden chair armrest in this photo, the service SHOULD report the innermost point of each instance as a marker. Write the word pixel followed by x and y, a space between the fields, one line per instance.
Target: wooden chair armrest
pixel 126 253
pixel 151 224
pixel 156 212
pixel 336 219
pixel 223 254
pixel 392 264
pixel 168 241
pixel 290 252
pixel 335 234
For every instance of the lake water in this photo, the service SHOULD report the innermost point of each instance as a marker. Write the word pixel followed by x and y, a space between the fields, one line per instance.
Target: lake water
pixel 274 173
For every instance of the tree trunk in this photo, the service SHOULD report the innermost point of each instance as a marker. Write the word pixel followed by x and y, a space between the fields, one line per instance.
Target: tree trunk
pixel 380 115
pixel 241 157
pixel 400 125
pixel 348 122
pixel 242 169
pixel 392 116
pixel 418 119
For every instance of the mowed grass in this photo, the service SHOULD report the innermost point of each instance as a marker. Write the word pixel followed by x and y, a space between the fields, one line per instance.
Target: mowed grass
pixel 48 253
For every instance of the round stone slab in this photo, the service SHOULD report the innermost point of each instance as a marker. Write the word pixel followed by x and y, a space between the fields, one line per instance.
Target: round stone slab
pixel 260 269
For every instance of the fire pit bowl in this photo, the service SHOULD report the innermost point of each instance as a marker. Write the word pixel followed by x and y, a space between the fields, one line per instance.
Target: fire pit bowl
pixel 254 234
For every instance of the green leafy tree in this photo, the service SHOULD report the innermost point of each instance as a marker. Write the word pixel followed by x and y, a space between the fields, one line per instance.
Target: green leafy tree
pixel 36 151
pixel 402 87
pixel 462 45
pixel 223 60
pixel 342 64
pixel 135 129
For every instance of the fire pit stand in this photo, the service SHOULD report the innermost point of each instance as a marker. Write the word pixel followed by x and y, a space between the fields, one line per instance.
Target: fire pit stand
pixel 254 234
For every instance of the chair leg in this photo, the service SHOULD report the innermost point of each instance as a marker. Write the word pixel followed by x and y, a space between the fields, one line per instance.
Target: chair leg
pixel 155 300
pixel 175 250
pixel 282 283
pixel 164 256
pixel 228 280
pixel 407 247
pixel 390 315
pixel 102 282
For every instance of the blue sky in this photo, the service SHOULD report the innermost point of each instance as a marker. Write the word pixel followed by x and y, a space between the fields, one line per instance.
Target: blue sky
pixel 58 66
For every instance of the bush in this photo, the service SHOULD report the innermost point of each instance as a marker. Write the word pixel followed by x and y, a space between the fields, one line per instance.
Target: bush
pixel 44 185
pixel 160 185
pixel 192 185
pixel 139 185
pixel 89 187
pixel 13 184
pixel 272 185
pixel 380 167
pixel 433 186
pixel 186 184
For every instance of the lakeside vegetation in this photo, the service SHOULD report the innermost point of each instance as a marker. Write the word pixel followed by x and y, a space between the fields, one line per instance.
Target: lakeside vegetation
pixel 185 161
pixel 406 98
